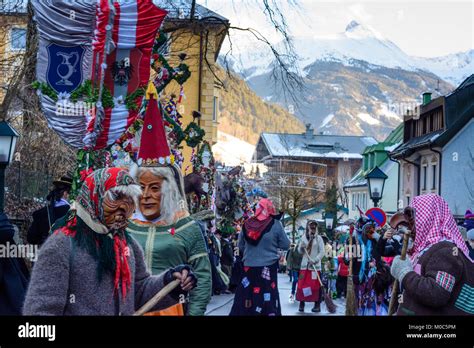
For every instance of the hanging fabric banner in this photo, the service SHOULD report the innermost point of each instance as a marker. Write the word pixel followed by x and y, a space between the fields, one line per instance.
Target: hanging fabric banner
pixel 93 65
pixel 66 29
pixel 127 62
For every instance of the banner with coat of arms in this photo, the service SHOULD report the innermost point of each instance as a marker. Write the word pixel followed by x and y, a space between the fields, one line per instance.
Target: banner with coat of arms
pixel 66 30
pixel 93 66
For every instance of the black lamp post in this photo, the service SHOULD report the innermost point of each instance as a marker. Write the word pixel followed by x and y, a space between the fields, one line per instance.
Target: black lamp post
pixel 376 179
pixel 329 219
pixel 8 137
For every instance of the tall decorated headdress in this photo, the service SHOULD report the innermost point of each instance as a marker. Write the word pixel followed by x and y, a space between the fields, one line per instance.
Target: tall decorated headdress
pixel 154 149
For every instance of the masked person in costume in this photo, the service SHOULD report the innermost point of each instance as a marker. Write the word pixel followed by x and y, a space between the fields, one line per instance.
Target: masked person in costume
pixel 261 238
pixel 161 224
pixel 311 247
pixel 90 265
pixel 438 276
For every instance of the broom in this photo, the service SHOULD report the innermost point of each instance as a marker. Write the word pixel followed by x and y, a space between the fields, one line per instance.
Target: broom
pixel 330 305
pixel 395 286
pixel 351 303
pixel 157 298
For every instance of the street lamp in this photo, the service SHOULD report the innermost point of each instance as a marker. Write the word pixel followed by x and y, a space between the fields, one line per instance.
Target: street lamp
pixel 376 179
pixel 8 137
pixel 329 219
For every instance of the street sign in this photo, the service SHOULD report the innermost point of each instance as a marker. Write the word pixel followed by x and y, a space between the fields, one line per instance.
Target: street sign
pixel 378 215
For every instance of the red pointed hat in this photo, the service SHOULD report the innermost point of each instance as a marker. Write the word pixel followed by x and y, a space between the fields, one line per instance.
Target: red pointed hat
pixel 154 149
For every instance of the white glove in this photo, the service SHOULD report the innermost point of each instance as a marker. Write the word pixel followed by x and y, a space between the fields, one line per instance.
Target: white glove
pixel 400 268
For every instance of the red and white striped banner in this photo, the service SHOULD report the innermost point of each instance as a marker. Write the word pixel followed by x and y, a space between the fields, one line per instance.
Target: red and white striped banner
pixel 134 28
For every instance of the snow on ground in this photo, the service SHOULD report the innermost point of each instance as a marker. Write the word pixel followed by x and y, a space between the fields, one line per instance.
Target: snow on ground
pixel 233 151
pixel 367 118
pixel 222 304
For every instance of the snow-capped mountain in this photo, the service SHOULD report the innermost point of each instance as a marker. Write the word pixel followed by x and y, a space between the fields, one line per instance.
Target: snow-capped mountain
pixel 453 68
pixel 359 42
pixel 356 82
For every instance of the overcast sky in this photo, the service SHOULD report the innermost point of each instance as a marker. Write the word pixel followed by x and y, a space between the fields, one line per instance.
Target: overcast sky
pixel 420 28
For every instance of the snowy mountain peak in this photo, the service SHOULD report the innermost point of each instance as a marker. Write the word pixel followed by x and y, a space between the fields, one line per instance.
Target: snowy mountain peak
pixel 355 30
pixel 352 26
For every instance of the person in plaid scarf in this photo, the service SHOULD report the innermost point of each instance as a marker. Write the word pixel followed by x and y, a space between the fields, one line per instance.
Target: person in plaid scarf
pixel 438 277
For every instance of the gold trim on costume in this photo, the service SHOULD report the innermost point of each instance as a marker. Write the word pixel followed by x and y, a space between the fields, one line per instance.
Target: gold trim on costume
pixel 149 246
pixel 197 256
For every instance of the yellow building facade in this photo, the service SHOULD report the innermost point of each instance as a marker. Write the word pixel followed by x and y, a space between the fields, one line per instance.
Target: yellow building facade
pixel 13 22
pixel 201 90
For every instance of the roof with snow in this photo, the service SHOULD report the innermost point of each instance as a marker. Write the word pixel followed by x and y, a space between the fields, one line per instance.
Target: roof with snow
pixel 315 145
pixel 181 9
pixel 359 179
pixel 459 110
pixel 393 140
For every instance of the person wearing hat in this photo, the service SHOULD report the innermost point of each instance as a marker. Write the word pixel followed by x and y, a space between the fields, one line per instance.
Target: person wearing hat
pixel 468 220
pixel 438 274
pixel 44 218
pixel 162 224
pixel 311 246
pixel 470 243
pixel 90 265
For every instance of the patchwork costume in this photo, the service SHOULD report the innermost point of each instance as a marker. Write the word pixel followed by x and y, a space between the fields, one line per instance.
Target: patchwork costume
pixel 261 237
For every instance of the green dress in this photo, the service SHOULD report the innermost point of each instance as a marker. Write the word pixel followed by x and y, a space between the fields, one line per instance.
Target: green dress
pixel 165 248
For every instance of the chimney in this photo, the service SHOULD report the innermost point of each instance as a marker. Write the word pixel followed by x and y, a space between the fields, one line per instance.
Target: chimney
pixel 309 131
pixel 426 98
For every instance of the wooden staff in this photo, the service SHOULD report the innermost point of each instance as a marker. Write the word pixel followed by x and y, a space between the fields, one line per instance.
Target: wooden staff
pixel 395 285
pixel 158 297
pixel 351 305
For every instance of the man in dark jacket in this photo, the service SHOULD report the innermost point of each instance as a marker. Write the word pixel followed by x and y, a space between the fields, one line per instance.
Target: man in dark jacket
pixel 389 245
pixel 227 257
pixel 14 274
pixel 45 217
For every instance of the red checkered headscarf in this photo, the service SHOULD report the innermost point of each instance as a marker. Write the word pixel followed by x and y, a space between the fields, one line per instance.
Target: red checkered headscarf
pixel 434 223
pixel 92 193
pixel 264 209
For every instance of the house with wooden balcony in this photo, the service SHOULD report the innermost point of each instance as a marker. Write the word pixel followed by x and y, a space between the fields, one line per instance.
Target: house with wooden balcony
pixel 437 153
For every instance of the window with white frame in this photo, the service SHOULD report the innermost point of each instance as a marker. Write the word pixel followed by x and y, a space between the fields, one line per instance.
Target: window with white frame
pixel 17 39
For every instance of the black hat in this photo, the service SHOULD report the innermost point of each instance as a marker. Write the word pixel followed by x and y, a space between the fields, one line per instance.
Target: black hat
pixel 63 181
